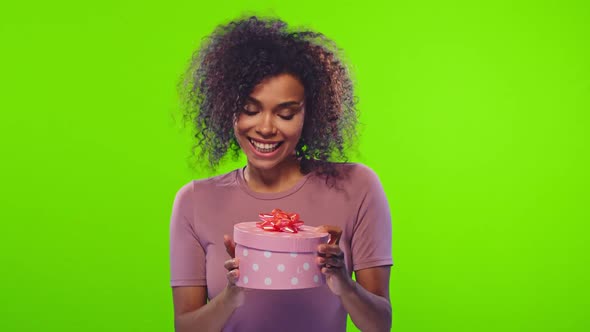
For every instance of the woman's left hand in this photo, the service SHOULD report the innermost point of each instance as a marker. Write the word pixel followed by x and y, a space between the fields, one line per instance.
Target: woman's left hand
pixel 331 259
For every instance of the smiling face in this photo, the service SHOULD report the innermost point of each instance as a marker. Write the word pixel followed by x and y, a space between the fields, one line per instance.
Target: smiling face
pixel 270 125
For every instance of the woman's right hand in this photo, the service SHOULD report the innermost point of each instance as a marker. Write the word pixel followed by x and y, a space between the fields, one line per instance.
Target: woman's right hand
pixel 234 295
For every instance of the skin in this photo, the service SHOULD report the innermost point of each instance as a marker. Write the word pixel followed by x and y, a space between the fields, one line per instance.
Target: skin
pixel 275 113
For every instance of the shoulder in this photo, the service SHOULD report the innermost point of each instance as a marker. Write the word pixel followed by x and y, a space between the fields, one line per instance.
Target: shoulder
pixel 357 174
pixel 205 186
pixel 223 180
pixel 359 169
pixel 355 179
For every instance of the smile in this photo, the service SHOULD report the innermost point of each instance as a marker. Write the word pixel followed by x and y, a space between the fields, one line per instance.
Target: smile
pixel 264 147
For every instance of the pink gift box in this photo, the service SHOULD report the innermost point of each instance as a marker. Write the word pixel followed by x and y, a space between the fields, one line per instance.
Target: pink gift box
pixel 278 260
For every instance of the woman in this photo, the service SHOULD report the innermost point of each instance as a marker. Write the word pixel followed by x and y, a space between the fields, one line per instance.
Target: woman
pixel 285 99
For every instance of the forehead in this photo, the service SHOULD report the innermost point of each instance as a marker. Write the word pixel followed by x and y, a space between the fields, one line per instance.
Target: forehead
pixel 278 89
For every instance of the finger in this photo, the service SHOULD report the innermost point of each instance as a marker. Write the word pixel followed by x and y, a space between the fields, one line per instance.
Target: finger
pixel 230 246
pixel 233 276
pixel 334 231
pixel 231 264
pixel 326 250
pixel 330 262
pixel 335 237
pixel 330 270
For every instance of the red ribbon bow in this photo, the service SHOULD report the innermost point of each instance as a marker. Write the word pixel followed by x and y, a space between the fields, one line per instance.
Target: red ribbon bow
pixel 280 221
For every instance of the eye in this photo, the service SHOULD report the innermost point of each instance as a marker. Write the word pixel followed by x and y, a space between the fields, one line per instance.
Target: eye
pixel 288 113
pixel 250 109
pixel 286 117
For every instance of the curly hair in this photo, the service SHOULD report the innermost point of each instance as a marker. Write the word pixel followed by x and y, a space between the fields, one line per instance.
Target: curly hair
pixel 239 55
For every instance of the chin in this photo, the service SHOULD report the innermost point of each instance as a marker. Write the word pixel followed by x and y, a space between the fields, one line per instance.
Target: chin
pixel 264 165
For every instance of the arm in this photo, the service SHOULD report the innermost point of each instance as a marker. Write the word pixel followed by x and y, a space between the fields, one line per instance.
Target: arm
pixel 193 313
pixel 187 263
pixel 367 300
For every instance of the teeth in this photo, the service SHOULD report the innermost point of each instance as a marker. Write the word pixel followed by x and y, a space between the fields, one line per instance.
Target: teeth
pixel 262 147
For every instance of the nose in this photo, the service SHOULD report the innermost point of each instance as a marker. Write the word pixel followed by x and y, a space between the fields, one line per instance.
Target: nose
pixel 266 126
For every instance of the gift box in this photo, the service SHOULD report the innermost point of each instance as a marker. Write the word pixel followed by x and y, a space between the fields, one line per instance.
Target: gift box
pixel 278 260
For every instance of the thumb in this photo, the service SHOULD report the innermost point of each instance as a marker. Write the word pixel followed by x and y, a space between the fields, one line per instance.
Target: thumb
pixel 334 231
pixel 230 245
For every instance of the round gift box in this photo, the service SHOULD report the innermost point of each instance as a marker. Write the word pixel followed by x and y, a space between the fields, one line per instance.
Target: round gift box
pixel 278 260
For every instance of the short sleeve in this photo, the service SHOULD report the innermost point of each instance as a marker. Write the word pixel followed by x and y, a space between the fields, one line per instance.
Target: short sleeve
pixel 371 237
pixel 187 257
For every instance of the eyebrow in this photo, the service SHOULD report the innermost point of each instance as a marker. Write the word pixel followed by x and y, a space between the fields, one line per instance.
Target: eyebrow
pixel 279 106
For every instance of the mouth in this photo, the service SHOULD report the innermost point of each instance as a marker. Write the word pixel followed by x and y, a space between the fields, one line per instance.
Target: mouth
pixel 264 147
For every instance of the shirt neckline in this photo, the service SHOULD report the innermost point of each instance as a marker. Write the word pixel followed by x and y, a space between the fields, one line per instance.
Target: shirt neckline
pixel 269 196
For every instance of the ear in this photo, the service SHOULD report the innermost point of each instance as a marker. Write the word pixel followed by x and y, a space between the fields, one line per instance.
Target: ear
pixel 235 123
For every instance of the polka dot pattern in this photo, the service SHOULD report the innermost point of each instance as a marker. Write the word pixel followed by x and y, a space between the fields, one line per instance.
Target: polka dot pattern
pixel 263 269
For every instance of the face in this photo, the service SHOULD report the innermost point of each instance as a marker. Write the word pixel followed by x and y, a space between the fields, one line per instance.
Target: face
pixel 270 125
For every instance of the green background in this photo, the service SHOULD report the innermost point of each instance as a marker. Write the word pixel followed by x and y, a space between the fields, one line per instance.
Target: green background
pixel 474 115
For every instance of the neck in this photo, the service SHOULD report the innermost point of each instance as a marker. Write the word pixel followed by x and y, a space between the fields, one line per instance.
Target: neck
pixel 278 179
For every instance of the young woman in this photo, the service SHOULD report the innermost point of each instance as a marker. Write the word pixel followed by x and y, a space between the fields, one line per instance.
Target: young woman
pixel 285 100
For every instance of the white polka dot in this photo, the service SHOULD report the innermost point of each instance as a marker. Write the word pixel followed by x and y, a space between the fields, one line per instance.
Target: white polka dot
pixel 267 254
pixel 245 280
pixel 306 266
pixel 281 267
pixel 316 278
pixel 245 252
pixel 293 254
pixel 294 281
pixel 255 267
pixel 267 281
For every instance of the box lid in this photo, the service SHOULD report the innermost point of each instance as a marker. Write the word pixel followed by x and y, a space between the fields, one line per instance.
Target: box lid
pixel 306 240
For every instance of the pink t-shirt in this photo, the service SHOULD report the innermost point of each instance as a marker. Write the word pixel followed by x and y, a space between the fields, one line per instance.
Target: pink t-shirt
pixel 205 210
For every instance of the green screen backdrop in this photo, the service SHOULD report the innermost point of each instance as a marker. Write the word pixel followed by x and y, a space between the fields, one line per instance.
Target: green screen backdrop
pixel 473 113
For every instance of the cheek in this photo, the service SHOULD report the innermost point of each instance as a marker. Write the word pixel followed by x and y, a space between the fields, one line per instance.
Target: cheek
pixel 297 130
pixel 240 126
pixel 294 129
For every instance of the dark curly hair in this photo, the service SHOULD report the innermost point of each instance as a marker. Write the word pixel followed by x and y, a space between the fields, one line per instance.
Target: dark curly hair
pixel 239 55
